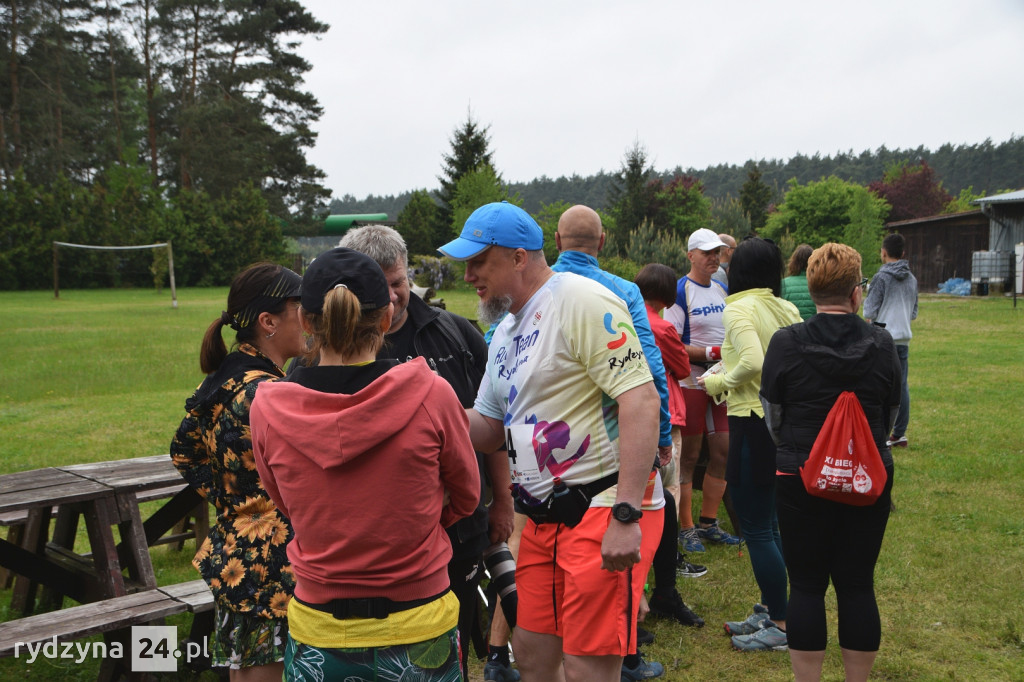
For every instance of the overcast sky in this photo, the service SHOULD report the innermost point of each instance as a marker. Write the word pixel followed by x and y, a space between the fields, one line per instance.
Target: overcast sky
pixel 566 87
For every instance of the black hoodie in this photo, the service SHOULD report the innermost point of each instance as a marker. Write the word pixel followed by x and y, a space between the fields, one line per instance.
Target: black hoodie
pixel 808 365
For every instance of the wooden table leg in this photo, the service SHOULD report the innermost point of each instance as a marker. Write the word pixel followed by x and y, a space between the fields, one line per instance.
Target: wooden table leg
pixel 134 549
pixel 196 524
pixel 170 513
pixel 99 517
pixel 15 536
pixel 37 529
pixel 65 530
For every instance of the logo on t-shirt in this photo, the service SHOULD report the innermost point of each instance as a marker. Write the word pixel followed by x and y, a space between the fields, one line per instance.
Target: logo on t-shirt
pixel 707 310
pixel 617 343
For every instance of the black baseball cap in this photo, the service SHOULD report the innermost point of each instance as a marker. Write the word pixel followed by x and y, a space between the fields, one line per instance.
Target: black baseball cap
pixel 355 271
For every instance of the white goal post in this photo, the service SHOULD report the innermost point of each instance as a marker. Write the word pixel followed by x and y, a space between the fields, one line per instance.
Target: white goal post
pixel 170 262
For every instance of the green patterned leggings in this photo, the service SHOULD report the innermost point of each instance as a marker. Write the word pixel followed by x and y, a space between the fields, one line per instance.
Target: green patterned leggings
pixel 435 660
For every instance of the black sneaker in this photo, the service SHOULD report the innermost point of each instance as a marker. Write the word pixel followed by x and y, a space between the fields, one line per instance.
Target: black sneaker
pixel 644 636
pixel 644 670
pixel 685 569
pixel 494 671
pixel 672 606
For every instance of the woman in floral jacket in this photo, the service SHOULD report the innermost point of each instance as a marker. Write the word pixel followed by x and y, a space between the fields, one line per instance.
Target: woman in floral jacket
pixel 243 559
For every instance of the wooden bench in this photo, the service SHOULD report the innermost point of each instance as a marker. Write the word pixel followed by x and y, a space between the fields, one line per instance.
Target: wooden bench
pixel 195 595
pixel 112 617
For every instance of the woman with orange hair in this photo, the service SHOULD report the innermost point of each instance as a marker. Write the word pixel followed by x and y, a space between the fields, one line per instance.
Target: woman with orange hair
pixel 806 367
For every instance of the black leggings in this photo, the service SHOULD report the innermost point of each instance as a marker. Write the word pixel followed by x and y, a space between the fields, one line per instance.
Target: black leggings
pixel 823 540
pixel 665 557
pixel 464 575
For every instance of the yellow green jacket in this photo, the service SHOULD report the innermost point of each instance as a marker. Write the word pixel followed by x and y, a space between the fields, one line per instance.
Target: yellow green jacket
pixel 751 318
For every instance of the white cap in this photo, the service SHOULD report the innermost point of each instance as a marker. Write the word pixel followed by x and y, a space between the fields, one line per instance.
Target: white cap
pixel 704 240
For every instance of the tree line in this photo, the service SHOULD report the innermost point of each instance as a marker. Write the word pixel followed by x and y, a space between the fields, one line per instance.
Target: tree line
pixel 213 239
pixel 648 215
pixel 985 168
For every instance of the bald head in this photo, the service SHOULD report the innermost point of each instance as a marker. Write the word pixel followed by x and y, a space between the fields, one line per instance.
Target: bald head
pixel 579 229
pixel 725 254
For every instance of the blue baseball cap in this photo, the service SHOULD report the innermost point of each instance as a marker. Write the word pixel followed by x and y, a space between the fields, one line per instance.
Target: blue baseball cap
pixel 496 224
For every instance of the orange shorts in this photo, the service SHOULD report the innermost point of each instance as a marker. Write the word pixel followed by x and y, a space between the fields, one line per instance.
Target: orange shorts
pixel 703 415
pixel 563 590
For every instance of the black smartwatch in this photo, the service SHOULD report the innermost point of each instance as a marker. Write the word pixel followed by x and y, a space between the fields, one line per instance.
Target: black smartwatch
pixel 626 513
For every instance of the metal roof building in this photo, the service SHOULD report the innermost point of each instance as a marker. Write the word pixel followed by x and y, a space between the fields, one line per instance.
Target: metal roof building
pixel 940 247
pixel 1006 219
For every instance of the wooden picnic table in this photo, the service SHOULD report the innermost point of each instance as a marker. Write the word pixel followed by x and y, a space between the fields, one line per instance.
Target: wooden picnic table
pixel 104 495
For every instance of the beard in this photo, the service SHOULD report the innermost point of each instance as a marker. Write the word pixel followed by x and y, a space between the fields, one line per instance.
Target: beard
pixel 492 310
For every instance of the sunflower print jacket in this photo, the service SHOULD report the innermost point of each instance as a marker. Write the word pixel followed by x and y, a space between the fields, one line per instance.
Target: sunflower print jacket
pixel 243 558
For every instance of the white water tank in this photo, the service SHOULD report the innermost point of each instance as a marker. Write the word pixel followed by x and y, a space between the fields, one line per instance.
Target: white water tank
pixel 990 270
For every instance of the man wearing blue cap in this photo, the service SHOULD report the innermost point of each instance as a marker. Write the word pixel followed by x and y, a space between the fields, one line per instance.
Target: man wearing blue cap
pixel 568 390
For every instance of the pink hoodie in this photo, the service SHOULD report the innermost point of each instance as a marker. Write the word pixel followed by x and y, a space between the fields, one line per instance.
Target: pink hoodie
pixel 363 477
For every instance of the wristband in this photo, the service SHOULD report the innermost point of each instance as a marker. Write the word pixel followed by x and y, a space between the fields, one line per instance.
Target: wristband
pixel 713 352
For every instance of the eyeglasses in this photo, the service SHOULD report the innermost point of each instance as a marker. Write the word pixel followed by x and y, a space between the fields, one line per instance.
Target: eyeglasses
pixel 862 284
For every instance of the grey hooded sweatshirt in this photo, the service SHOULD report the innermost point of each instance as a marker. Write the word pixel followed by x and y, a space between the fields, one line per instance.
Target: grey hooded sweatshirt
pixel 892 299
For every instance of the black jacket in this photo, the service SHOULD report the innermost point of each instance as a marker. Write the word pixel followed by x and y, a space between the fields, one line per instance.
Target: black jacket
pixel 808 365
pixel 461 361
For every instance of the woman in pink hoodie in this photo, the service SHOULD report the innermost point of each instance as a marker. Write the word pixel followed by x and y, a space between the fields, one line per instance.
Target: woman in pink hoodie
pixel 370 460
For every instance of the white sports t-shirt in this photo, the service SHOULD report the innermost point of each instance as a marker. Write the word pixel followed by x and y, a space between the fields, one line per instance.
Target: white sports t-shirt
pixel 705 305
pixel 554 370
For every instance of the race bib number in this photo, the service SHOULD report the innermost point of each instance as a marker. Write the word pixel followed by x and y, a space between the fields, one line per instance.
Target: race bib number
pixel 522 460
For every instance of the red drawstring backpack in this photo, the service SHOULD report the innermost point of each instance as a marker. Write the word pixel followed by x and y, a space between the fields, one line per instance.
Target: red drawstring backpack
pixel 844 464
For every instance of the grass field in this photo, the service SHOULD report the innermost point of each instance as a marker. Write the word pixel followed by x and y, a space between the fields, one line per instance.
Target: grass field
pixel 100 375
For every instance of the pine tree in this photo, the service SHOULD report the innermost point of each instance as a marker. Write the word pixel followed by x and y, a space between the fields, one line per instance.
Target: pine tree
pixel 238 112
pixel 470 151
pixel 631 195
pixel 480 186
pixel 755 197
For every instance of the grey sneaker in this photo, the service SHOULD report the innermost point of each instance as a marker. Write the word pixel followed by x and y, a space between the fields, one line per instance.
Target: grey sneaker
pixel 768 638
pixel 752 624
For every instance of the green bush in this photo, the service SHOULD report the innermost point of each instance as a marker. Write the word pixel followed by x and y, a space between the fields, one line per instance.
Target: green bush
pixel 648 245
pixel 433 273
pixel 623 267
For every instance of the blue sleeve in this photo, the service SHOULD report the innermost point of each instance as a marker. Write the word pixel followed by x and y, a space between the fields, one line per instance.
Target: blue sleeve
pixel 638 312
